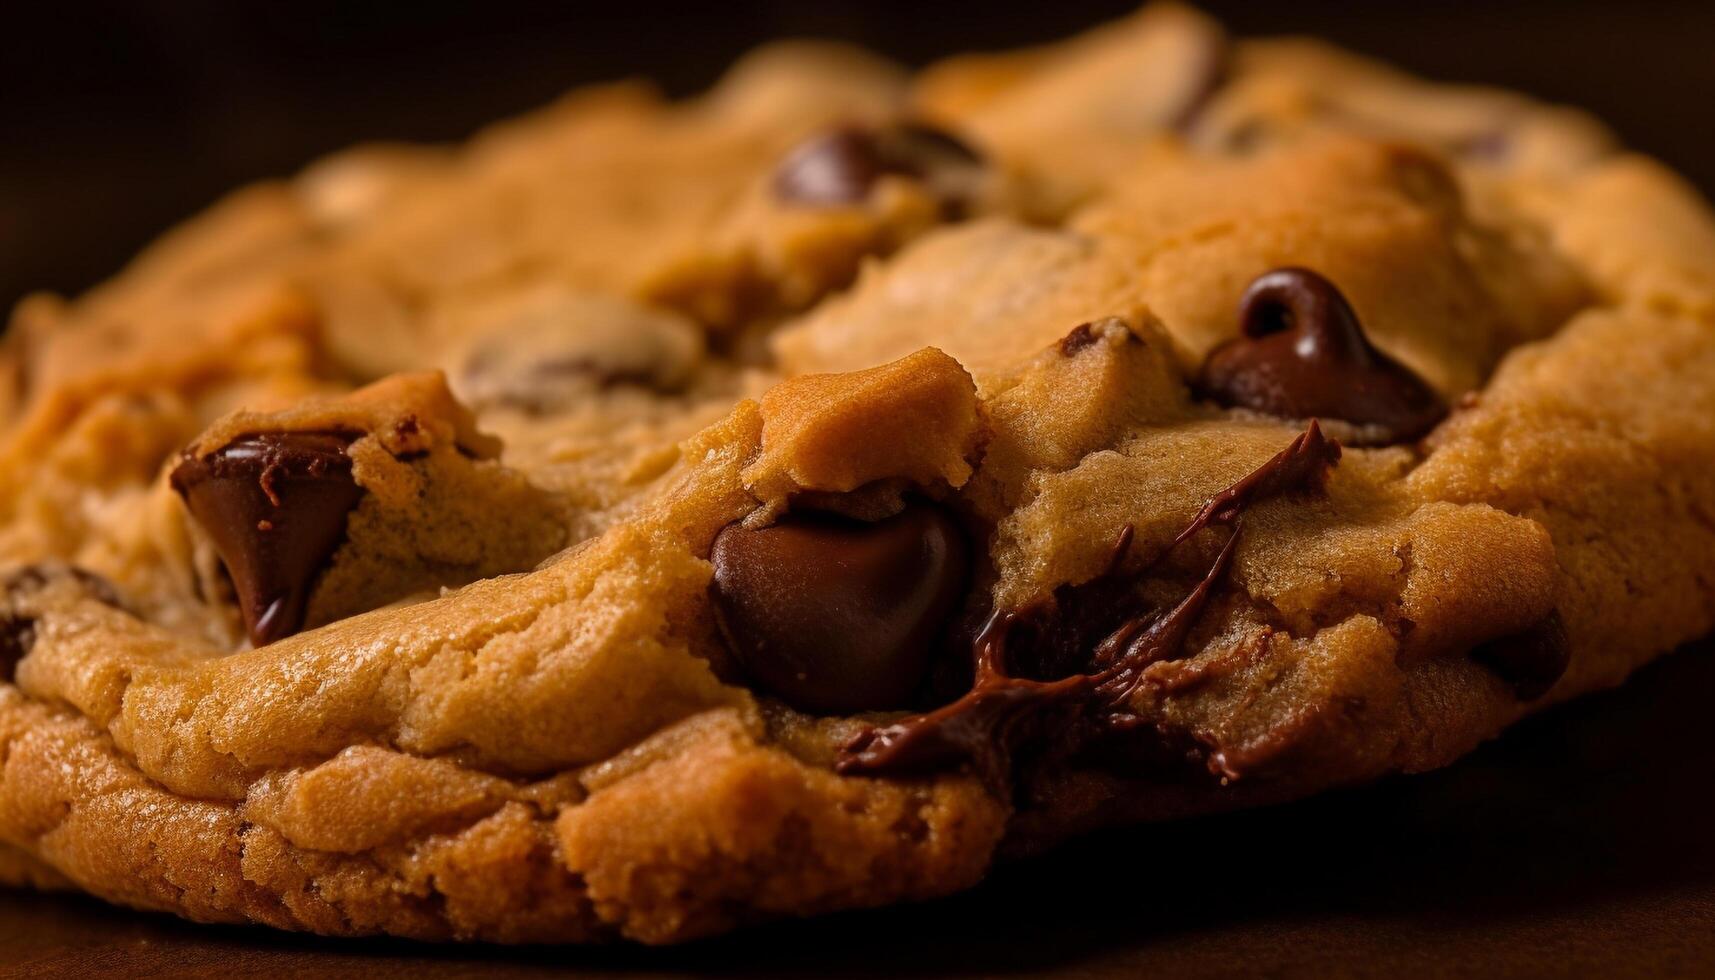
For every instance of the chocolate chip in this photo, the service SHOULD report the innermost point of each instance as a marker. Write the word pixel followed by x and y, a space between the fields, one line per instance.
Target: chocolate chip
pixel 555 349
pixel 275 506
pixel 1086 335
pixel 841 166
pixel 1532 660
pixel 836 616
pixel 1489 146
pixel 836 167
pixel 1059 674
pixel 553 384
pixel 603 375
pixel 1080 337
pixel 17 637
pixel 1303 354
pixel 17 618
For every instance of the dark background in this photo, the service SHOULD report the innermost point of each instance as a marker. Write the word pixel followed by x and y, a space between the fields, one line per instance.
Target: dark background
pixel 1579 844
pixel 119 118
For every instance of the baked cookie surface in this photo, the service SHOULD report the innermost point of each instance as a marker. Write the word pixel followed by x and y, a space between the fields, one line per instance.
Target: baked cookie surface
pixel 650 519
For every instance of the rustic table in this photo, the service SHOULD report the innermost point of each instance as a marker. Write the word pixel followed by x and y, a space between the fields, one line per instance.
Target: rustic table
pixel 1579 844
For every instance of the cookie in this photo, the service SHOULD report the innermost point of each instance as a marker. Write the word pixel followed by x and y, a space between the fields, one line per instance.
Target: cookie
pixel 651 519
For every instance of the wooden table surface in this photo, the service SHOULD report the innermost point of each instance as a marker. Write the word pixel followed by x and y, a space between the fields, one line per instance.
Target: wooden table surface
pixel 1578 845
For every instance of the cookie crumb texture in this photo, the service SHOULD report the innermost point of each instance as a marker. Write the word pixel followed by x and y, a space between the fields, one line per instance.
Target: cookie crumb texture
pixel 651 518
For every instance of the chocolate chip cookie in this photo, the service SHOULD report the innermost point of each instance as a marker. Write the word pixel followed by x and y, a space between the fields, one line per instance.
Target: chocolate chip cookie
pixel 653 518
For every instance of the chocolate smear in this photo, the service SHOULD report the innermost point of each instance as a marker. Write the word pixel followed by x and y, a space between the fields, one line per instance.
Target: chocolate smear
pixel 1303 354
pixel 275 506
pixel 836 616
pixel 1063 671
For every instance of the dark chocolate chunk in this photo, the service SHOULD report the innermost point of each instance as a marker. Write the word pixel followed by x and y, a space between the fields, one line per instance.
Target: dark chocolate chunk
pixel 1080 337
pixel 841 166
pixel 17 637
pixel 275 506
pixel 1062 672
pixel 1531 660
pixel 836 167
pixel 836 616
pixel 1303 354
pixel 1087 335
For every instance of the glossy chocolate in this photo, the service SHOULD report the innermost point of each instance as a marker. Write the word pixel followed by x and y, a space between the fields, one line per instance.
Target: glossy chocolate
pixel 1061 673
pixel 836 616
pixel 1303 354
pixel 1531 661
pixel 275 506
pixel 841 166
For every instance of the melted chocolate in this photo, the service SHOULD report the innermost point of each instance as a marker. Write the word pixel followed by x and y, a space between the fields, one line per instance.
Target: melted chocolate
pixel 1531 660
pixel 836 616
pixel 841 166
pixel 1064 670
pixel 1303 354
pixel 275 506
